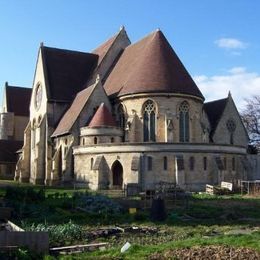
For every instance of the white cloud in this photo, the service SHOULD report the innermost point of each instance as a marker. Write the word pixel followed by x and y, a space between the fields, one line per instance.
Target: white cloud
pixel 237 70
pixel 231 43
pixel 238 80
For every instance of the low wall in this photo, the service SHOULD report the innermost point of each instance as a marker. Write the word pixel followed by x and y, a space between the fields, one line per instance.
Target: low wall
pixel 35 241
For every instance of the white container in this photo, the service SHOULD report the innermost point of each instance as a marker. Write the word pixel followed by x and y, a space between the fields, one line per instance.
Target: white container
pixel 125 247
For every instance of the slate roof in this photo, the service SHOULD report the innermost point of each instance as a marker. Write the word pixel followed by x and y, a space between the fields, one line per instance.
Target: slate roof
pixel 67 72
pixel 18 100
pixel 102 117
pixel 73 112
pixel 150 66
pixel 214 110
pixel 8 150
pixel 102 50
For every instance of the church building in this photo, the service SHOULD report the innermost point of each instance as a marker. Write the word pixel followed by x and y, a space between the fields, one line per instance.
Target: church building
pixel 14 117
pixel 127 113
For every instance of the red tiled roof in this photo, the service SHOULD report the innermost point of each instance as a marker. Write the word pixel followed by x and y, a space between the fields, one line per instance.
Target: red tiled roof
pixel 18 100
pixel 73 112
pixel 214 110
pixel 67 71
pixel 102 117
pixel 8 150
pixel 150 66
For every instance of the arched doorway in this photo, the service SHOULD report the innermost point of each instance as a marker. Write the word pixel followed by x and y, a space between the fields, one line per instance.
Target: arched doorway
pixel 117 173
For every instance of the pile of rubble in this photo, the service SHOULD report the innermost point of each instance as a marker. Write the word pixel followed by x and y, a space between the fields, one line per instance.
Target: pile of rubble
pixel 115 231
pixel 208 252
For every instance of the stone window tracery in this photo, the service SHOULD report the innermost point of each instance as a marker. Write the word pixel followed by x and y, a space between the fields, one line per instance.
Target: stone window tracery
pixel 149 121
pixel 184 122
pixel 231 127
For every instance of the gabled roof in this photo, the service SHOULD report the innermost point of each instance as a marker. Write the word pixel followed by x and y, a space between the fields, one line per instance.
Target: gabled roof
pixel 150 66
pixel 73 112
pixel 66 71
pixel 102 118
pixel 8 150
pixel 214 110
pixel 18 100
pixel 102 50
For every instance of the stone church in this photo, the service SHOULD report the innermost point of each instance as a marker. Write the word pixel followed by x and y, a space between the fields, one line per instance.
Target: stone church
pixel 14 117
pixel 127 114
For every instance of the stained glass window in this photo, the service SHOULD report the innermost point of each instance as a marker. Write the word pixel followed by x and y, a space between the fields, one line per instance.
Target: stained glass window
pixel 149 121
pixel 184 122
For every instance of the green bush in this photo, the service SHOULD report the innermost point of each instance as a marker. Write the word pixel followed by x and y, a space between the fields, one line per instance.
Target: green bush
pixel 141 216
pixel 98 204
pixel 24 194
pixel 68 232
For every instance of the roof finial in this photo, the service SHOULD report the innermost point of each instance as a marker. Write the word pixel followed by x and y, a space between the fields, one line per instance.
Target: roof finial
pixel 97 78
pixel 229 94
pixel 122 27
pixel 41 44
pixel 6 84
pixel 158 29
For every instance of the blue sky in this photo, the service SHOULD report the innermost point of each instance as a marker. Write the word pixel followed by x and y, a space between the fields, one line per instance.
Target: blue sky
pixel 218 41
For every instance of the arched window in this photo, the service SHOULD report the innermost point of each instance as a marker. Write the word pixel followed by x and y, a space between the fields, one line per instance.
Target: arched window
pixel 205 163
pixel 112 140
pixel 91 163
pixel 95 140
pixel 231 126
pixel 33 133
pixel 192 163
pixel 150 163
pixel 149 121
pixel 184 122
pixel 225 163
pixel 165 163
pixel 121 116
pixel 121 119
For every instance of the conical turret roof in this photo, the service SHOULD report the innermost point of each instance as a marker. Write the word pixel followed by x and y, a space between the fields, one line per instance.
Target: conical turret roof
pixel 150 66
pixel 102 118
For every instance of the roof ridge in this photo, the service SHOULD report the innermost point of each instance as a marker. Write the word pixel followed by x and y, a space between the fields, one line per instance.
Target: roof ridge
pixel 215 115
pixel 24 88
pixel 67 50
pixel 103 49
pixel 212 101
pixel 57 131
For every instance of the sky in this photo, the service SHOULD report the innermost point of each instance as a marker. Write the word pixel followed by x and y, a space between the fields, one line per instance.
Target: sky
pixel 218 41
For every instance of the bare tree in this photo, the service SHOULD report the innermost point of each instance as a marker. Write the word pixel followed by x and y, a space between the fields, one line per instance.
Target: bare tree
pixel 251 119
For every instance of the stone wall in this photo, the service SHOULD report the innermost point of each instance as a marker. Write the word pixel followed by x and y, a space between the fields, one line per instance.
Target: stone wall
pixel 191 179
pixel 167 108
pixel 222 135
pixel 6 125
pixel 20 122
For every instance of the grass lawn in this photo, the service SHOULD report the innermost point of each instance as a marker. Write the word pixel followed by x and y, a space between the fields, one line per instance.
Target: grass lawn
pixel 208 220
